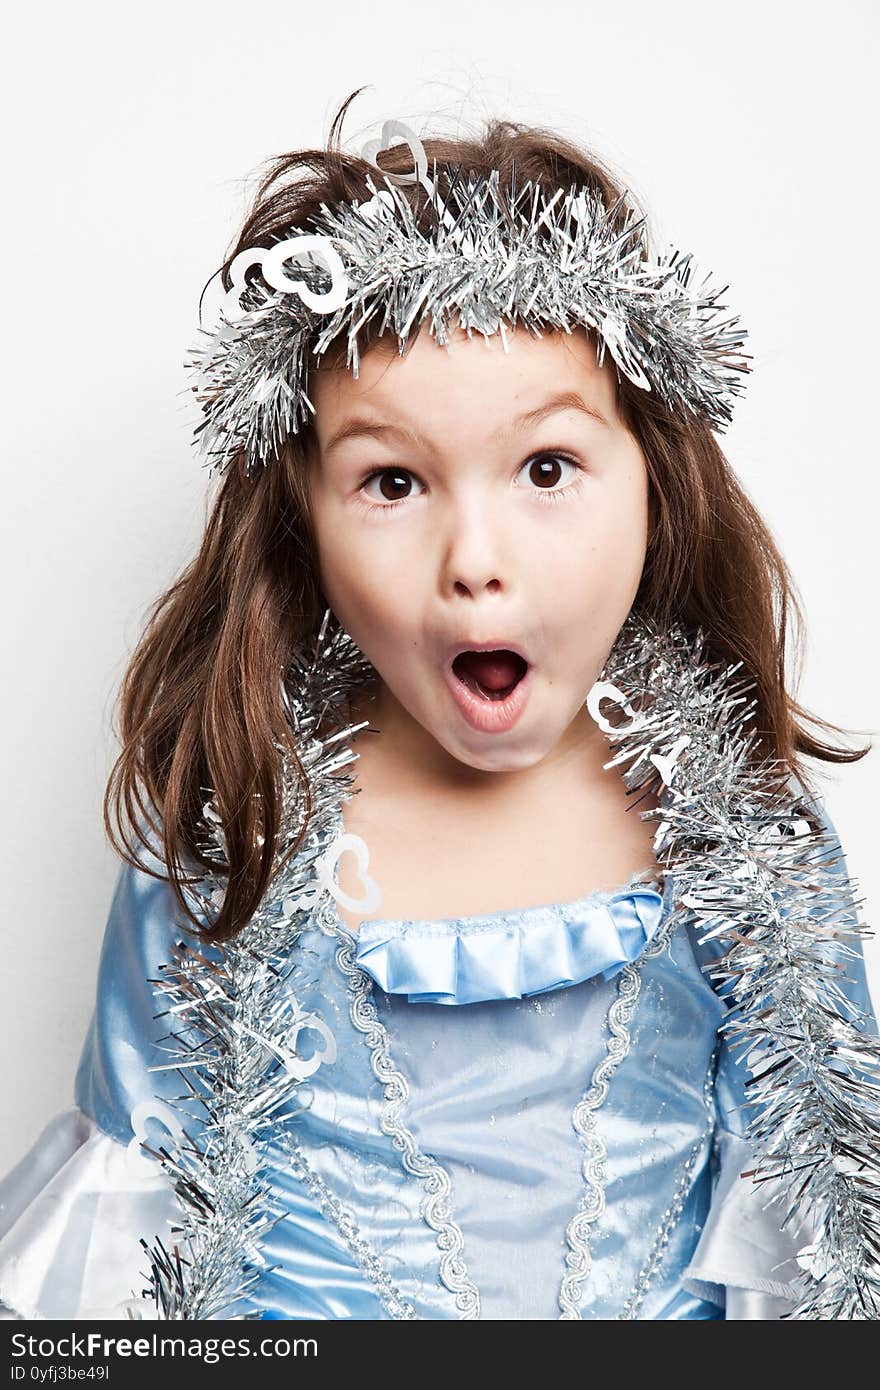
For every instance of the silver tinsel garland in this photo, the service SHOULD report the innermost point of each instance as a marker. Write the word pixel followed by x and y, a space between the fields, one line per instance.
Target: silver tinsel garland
pixel 753 864
pixel 750 861
pixel 234 1050
pixel 490 259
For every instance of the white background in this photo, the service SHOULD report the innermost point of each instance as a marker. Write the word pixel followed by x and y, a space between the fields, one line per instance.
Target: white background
pixel 132 142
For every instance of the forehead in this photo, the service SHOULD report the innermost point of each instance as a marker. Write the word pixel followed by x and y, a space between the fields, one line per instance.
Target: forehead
pixel 473 374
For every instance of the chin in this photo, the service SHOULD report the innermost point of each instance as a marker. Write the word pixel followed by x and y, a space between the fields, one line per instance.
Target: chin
pixel 503 757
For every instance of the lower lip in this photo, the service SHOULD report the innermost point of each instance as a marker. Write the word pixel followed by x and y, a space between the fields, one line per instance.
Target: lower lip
pixel 490 716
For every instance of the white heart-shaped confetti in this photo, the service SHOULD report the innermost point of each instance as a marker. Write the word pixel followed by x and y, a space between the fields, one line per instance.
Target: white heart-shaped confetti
pixel 355 845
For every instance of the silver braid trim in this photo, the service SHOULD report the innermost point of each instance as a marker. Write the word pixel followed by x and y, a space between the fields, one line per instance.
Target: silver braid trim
pixel 650 1269
pixel 577 1234
pixel 437 1182
pixel 331 1207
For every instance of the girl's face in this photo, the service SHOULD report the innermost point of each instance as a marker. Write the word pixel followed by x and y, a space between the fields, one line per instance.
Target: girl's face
pixel 476 496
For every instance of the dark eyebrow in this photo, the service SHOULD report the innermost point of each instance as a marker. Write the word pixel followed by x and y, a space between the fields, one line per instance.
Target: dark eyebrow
pixel 359 427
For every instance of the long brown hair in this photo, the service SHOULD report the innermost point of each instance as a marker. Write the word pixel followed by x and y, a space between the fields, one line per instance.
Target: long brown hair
pixel 200 704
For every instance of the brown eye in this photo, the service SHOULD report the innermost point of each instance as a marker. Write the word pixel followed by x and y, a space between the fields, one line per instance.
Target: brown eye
pixel 546 471
pixel 394 485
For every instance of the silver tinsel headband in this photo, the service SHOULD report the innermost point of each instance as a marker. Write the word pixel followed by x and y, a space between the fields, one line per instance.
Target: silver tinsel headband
pixel 493 257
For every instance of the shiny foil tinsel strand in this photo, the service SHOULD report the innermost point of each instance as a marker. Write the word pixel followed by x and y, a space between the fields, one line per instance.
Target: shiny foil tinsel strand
pixel 238 1008
pixel 490 260
pixel 749 861
pixel 759 872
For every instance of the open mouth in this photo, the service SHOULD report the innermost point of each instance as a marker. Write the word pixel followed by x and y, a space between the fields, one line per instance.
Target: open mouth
pixel 491 675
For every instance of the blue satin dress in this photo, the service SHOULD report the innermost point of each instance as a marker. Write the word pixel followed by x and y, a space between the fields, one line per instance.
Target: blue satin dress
pixel 517 1115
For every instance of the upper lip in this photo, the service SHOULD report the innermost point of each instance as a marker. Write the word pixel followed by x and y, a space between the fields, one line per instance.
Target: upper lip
pixel 498 644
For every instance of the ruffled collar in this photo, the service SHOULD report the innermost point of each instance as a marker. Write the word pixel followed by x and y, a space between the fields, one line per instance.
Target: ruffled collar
pixel 512 954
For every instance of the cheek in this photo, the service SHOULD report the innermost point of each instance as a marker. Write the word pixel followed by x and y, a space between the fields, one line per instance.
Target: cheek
pixel 367 590
pixel 623 533
pixel 607 547
pixel 621 549
pixel 590 581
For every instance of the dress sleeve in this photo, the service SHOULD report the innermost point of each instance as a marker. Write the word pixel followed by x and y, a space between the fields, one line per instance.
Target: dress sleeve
pixel 73 1211
pixel 744 1261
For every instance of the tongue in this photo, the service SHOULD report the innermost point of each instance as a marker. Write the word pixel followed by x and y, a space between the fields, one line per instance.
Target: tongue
pixel 493 670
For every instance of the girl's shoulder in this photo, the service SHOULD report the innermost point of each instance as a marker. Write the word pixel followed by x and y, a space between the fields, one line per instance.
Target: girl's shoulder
pixel 129 1027
pixel 853 979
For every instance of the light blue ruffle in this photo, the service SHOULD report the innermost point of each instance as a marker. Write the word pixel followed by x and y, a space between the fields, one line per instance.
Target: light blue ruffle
pixel 501 956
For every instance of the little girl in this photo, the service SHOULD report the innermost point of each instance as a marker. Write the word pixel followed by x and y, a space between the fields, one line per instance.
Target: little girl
pixel 470 1029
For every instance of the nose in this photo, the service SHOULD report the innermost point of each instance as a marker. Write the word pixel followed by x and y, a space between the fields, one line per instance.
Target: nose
pixel 473 548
